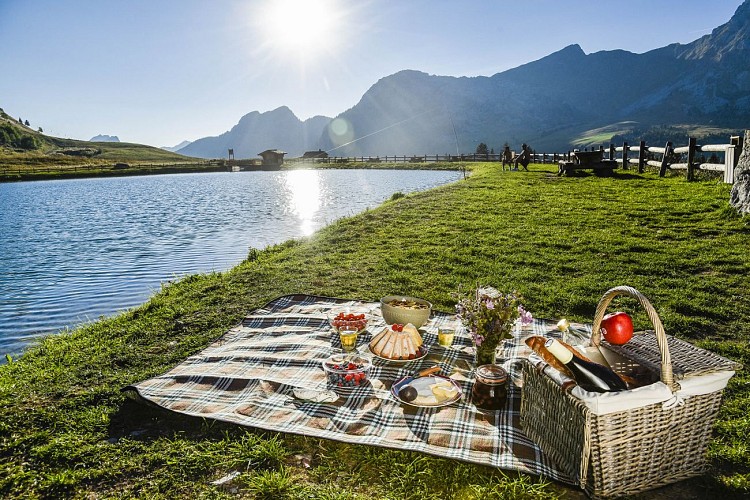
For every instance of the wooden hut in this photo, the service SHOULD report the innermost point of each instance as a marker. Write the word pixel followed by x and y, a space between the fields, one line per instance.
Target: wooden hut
pixel 315 154
pixel 272 157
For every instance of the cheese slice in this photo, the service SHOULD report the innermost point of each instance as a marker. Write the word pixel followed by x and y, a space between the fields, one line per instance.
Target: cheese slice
pixel 424 400
pixel 442 392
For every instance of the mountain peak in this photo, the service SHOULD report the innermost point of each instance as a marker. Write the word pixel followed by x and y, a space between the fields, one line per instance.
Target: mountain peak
pixel 104 138
pixel 728 40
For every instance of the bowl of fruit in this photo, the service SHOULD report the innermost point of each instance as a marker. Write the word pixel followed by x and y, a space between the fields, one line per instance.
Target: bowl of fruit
pixel 346 372
pixel 347 319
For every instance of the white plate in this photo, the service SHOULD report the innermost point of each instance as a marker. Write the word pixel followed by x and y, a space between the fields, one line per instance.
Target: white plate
pixel 426 398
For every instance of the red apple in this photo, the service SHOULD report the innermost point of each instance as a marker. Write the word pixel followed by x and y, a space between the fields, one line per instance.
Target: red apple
pixel 617 328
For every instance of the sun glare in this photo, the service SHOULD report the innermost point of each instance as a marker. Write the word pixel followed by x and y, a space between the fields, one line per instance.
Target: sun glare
pixel 300 27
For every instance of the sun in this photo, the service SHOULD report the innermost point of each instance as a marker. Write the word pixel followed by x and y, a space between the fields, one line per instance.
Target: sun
pixel 303 28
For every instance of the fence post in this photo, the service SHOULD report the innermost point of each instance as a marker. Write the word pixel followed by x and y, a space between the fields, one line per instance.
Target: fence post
pixel 665 159
pixel 625 152
pixel 641 157
pixel 690 158
pixel 729 164
pixel 611 151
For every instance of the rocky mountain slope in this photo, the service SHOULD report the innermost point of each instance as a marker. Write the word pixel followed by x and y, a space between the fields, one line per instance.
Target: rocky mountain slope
pixel 566 99
pixel 549 102
pixel 256 132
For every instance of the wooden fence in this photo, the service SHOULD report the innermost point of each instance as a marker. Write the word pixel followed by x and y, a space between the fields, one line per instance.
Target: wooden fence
pixel 664 158
pixel 690 157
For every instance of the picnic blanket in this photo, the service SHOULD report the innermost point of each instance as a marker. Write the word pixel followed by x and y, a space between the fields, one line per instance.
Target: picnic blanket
pixel 248 377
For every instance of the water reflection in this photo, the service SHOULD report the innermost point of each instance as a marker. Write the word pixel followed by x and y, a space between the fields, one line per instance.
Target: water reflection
pixel 303 187
pixel 72 250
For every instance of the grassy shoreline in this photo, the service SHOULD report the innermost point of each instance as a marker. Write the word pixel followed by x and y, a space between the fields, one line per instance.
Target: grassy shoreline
pixel 67 431
pixel 75 171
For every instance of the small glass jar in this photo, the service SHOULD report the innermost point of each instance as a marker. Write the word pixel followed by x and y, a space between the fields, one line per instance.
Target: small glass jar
pixel 490 389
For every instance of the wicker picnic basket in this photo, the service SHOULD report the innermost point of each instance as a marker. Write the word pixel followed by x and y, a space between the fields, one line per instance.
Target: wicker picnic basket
pixel 633 450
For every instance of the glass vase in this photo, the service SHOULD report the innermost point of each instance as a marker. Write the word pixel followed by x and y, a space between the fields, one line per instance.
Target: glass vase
pixel 485 355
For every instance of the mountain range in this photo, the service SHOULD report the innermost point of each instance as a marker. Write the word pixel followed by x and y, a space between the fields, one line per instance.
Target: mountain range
pixel 104 138
pixel 176 147
pixel 256 132
pixel 568 98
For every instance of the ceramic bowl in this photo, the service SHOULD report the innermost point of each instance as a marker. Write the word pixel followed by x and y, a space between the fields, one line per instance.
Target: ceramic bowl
pixel 403 309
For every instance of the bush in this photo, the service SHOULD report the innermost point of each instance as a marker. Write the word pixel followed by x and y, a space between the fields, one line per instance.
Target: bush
pixel 27 142
pixel 11 137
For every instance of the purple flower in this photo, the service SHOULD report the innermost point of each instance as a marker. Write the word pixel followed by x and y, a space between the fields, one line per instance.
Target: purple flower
pixel 490 304
pixel 526 317
pixel 478 339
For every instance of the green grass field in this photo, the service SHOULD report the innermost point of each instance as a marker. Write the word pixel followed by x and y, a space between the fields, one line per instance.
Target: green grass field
pixel 67 431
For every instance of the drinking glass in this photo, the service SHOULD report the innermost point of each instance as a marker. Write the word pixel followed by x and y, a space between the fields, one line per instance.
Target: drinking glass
pixel 348 338
pixel 445 336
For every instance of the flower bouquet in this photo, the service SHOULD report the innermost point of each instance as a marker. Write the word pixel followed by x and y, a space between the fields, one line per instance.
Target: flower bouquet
pixel 489 316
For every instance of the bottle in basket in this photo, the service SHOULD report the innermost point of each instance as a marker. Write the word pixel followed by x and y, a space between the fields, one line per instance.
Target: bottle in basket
pixel 590 376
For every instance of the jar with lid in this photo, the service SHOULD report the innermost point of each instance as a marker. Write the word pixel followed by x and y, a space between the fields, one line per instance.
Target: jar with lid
pixel 490 388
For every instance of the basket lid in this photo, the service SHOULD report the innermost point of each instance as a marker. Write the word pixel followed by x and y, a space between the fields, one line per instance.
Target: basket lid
pixel 687 359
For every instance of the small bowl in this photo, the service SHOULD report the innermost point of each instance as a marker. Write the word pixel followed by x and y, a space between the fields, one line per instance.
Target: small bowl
pixel 341 377
pixel 403 309
pixel 359 323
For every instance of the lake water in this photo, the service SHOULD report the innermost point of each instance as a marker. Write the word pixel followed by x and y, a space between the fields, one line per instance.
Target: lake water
pixel 74 250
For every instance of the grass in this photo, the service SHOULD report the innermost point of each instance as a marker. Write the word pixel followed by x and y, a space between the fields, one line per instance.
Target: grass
pixel 66 430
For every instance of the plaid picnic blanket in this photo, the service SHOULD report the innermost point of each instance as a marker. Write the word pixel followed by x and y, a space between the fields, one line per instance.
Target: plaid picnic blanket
pixel 248 377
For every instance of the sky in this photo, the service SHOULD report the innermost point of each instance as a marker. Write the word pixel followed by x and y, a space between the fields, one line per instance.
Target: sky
pixel 159 72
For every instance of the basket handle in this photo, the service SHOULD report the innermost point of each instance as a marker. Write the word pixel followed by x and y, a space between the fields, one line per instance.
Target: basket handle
pixel 661 338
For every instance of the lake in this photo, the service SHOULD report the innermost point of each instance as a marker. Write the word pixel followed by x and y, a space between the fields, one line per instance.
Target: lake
pixel 74 250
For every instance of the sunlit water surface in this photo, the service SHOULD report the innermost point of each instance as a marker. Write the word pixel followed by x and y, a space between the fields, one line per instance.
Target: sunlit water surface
pixel 74 250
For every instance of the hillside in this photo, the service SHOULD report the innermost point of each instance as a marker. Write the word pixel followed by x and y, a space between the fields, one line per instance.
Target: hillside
pixel 21 145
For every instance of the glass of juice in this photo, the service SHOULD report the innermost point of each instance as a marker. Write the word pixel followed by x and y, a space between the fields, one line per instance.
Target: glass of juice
pixel 445 336
pixel 348 338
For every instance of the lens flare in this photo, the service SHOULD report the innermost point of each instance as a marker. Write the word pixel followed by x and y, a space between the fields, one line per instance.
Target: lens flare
pixel 340 131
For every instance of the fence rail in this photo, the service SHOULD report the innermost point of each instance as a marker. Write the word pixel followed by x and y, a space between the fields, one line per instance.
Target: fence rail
pixel 690 158
pixel 664 158
pixel 490 157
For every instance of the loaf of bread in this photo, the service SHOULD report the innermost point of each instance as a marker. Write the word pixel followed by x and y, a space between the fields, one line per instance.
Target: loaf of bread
pixel 537 345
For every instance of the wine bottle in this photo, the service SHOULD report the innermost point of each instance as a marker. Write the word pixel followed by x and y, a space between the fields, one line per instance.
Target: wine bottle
pixel 589 376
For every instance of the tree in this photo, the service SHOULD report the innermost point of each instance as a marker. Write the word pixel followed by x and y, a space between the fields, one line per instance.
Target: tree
pixel 40 130
pixel 482 149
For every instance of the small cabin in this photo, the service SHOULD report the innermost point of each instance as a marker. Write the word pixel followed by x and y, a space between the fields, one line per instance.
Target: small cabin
pixel 272 157
pixel 315 154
